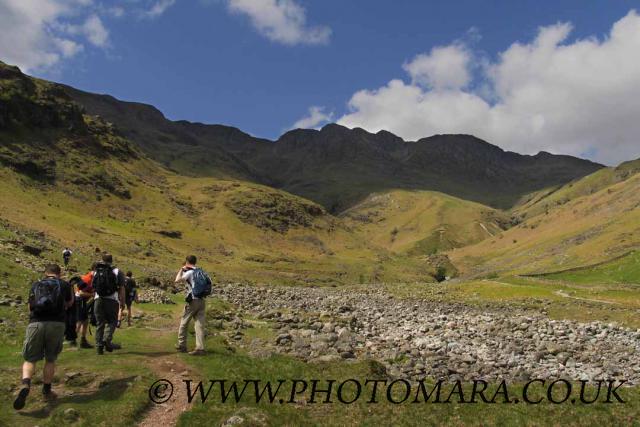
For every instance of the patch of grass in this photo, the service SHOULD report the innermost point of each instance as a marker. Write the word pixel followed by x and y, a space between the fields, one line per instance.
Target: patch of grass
pixel 623 270
pixel 114 393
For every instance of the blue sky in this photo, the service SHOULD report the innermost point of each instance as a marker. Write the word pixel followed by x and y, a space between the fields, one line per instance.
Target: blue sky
pixel 212 61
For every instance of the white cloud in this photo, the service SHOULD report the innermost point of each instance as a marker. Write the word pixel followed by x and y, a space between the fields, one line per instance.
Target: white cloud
pixel 115 11
pixel 282 21
pixel 37 34
pixel 68 48
pixel 575 98
pixel 158 8
pixel 95 31
pixel 313 119
pixel 445 67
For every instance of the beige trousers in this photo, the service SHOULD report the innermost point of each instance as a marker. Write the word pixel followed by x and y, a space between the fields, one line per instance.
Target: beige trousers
pixel 194 310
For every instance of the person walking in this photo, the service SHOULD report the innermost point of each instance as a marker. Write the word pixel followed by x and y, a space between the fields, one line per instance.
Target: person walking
pixel 108 285
pixel 66 256
pixel 131 295
pixel 198 287
pixel 71 318
pixel 49 298
pixel 84 298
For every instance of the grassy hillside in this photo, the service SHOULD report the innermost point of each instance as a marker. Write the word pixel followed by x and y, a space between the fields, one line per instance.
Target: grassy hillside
pixel 582 230
pixel 540 202
pixel 622 270
pixel 423 222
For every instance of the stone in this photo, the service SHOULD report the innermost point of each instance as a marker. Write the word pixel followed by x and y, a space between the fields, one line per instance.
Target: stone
pixel 70 415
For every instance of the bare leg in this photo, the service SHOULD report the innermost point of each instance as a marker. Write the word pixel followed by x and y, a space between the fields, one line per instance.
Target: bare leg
pixel 129 315
pixel 48 371
pixel 28 369
pixel 82 326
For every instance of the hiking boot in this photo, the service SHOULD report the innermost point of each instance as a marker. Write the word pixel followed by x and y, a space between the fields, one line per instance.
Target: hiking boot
pixel 21 398
pixel 181 349
pixel 85 344
pixel 115 346
pixel 100 350
pixel 197 353
pixel 108 347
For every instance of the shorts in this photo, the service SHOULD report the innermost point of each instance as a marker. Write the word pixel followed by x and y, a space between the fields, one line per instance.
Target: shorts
pixel 129 302
pixel 82 309
pixel 43 340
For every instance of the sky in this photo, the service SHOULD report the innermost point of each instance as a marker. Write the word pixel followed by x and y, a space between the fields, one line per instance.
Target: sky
pixel 529 76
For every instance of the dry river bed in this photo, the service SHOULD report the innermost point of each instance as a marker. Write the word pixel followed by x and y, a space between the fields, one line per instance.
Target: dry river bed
pixel 415 339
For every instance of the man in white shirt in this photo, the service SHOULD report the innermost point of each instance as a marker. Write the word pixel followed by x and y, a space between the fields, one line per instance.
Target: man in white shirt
pixel 194 308
pixel 66 256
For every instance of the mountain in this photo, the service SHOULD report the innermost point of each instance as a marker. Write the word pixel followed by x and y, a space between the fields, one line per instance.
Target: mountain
pixel 333 205
pixel 73 179
pixel 335 166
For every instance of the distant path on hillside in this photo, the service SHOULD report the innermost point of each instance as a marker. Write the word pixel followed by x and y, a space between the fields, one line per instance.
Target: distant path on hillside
pixel 560 293
pixel 566 295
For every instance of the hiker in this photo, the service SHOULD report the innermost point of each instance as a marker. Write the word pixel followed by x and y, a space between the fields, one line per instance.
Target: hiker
pixel 48 300
pixel 83 301
pixel 108 285
pixel 66 256
pixel 71 318
pixel 131 295
pixel 198 287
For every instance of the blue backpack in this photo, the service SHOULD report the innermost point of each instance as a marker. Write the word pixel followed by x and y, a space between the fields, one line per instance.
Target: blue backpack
pixel 201 286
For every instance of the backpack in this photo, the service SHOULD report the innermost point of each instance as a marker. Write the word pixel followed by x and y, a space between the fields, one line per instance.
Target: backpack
pixel 105 281
pixel 201 286
pixel 48 298
pixel 129 287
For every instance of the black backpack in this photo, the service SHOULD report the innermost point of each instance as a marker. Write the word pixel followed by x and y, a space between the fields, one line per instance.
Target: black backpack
pixel 128 286
pixel 105 281
pixel 47 297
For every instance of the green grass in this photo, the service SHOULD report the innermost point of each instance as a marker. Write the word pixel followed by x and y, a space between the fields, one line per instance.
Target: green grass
pixel 623 270
pixel 558 299
pixel 116 393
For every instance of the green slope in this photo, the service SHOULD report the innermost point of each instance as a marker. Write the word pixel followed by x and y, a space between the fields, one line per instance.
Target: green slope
pixel 423 222
pixel 581 231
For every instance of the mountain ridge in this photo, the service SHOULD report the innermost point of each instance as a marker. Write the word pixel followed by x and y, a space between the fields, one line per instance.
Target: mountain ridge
pixel 337 166
pixel 334 166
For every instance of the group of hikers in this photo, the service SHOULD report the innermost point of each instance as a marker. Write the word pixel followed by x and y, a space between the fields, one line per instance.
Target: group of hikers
pixel 60 310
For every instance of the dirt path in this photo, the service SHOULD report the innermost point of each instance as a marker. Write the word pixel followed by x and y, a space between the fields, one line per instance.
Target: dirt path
pixel 172 369
pixel 566 295
pixel 166 403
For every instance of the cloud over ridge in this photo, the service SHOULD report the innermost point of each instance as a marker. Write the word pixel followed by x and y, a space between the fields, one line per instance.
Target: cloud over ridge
pixel 579 98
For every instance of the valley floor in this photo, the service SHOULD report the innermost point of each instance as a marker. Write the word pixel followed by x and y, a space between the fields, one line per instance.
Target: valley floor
pixel 360 332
